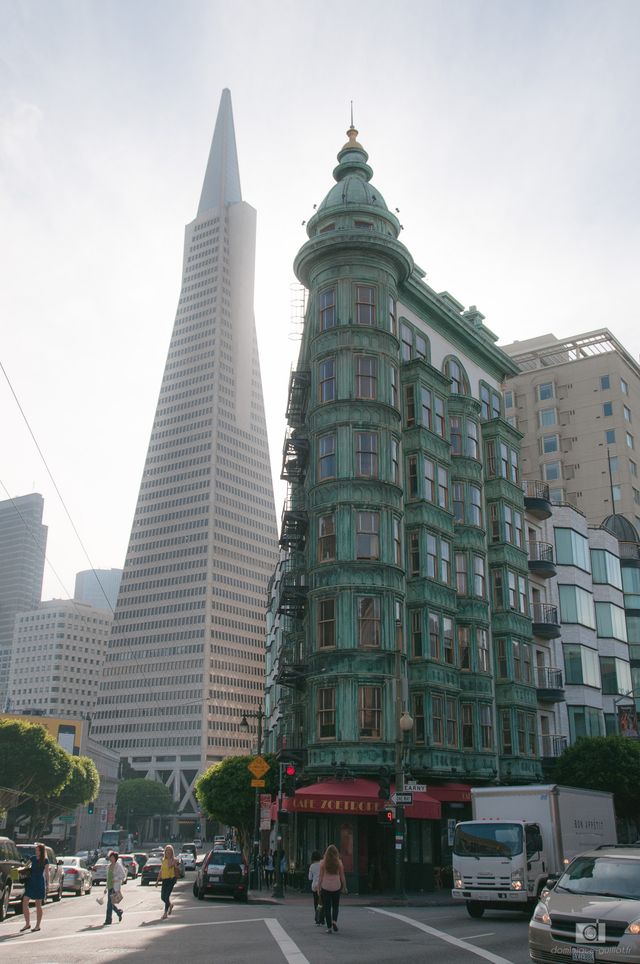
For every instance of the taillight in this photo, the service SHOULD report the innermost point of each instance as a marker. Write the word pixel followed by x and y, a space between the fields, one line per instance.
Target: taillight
pixel 72 871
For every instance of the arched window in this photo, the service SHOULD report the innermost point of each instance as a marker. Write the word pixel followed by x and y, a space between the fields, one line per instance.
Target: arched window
pixel 459 380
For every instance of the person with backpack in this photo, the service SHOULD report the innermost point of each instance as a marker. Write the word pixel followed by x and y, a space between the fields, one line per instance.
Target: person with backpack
pixel 332 882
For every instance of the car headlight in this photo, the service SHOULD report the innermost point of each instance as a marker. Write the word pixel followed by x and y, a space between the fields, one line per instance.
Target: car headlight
pixel 634 927
pixel 517 880
pixel 458 882
pixel 541 913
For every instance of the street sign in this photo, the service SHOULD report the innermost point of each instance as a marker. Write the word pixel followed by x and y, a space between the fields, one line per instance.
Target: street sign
pixel 416 787
pixel 258 767
pixel 404 798
pixel 257 783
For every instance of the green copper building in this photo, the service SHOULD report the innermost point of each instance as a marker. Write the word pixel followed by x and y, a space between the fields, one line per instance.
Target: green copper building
pixel 392 603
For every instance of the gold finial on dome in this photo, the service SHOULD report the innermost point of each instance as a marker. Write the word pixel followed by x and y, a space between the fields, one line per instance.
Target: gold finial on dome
pixel 352 134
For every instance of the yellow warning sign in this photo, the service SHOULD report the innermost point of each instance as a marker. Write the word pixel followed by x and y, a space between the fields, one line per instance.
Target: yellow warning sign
pixel 258 767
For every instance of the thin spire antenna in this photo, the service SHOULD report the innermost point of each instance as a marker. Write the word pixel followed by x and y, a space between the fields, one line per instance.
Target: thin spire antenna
pixel 352 113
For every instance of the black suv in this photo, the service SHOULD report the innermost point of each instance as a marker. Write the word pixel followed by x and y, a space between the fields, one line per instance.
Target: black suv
pixel 222 872
pixel 11 889
pixel 55 869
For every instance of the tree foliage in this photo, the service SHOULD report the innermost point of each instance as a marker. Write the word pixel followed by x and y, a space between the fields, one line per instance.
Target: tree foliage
pixel 32 764
pixel 82 786
pixel 610 763
pixel 138 799
pixel 225 793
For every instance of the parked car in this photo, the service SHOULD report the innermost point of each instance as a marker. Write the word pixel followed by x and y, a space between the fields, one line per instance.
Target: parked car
pixel 99 871
pixel 11 889
pixel 77 876
pixel 55 875
pixel 141 859
pixel 150 871
pixel 592 912
pixel 222 872
pixel 188 860
pixel 131 865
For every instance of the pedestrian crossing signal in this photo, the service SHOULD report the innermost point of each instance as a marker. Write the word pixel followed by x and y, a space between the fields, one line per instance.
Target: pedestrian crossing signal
pixel 386 816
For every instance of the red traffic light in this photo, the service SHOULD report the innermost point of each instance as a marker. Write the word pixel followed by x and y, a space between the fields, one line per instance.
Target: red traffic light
pixel 290 770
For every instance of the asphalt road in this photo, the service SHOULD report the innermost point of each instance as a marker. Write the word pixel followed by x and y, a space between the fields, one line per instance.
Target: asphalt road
pixel 225 932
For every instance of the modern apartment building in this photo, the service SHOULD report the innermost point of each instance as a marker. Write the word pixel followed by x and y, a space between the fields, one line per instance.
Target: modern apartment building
pixel 57 659
pixel 23 541
pixel 577 402
pixel 186 655
pixel 406 575
pixel 98 588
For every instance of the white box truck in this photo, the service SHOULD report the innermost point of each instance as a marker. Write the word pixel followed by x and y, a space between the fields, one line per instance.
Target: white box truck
pixel 519 836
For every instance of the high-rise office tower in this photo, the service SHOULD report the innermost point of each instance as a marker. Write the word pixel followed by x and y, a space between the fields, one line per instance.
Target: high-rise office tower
pixel 577 402
pixel 186 656
pixel 58 653
pixel 98 587
pixel 23 541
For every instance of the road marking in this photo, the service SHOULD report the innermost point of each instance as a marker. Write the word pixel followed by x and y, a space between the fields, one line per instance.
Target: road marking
pixel 99 932
pixel 464 945
pixel 290 950
pixel 474 937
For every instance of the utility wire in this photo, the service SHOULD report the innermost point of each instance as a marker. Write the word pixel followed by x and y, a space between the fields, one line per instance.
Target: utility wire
pixel 55 484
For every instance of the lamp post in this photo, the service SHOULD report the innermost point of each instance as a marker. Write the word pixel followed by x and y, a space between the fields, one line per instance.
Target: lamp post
pixel 405 725
pixel 244 725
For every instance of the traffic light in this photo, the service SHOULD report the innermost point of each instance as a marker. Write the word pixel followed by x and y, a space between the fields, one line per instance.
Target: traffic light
pixel 384 782
pixel 197 828
pixel 289 779
pixel 90 807
pixel 387 817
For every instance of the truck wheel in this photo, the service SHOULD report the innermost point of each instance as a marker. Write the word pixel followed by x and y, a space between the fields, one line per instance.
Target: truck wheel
pixel 475 909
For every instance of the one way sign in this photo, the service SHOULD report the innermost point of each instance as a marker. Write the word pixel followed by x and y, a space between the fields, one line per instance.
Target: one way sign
pixel 403 798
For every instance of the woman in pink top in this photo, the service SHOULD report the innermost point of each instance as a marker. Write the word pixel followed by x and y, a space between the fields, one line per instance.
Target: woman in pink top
pixel 331 882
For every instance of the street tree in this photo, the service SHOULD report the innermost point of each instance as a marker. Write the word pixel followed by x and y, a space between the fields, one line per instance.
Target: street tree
pixel 32 764
pixel 225 793
pixel 139 799
pixel 610 763
pixel 81 787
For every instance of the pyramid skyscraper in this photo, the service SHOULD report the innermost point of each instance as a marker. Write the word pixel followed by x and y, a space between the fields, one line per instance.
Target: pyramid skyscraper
pixel 186 656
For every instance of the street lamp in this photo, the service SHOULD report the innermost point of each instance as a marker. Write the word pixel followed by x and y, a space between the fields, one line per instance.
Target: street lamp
pixel 405 726
pixel 244 726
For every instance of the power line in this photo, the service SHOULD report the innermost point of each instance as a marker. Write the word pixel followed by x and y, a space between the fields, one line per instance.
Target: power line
pixel 55 484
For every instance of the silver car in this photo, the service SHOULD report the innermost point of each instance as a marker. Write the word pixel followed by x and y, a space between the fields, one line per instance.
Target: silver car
pixel 592 913
pixel 77 876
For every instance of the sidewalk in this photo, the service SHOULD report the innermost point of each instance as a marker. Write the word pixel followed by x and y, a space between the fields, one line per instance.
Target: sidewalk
pixel 438 898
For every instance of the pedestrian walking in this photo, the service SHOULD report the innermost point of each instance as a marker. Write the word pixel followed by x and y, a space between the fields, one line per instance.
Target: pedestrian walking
pixel 314 877
pixel 168 875
pixel 284 868
pixel 331 881
pixel 116 875
pixel 269 868
pixel 35 887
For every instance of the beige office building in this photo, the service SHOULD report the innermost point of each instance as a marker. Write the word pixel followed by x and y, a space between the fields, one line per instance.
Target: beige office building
pixel 57 657
pixel 577 403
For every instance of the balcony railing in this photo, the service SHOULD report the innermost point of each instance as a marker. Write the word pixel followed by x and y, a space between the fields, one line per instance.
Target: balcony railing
pixel 537 500
pixel 548 678
pixel 534 489
pixel 293 527
pixel 629 550
pixel 540 552
pixel 552 745
pixel 295 457
pixel 545 619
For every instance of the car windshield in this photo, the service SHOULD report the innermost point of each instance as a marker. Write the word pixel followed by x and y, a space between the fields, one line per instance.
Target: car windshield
pixel 488 840
pixel 70 861
pixel 27 850
pixel 602 876
pixel 224 857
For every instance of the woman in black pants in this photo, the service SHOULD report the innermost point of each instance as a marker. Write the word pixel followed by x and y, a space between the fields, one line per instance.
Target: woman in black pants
pixel 331 882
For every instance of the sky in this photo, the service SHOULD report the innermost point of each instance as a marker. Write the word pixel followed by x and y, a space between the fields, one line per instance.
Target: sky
pixel 507 133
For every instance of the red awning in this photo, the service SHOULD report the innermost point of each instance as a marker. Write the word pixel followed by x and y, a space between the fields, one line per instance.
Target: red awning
pixel 452 793
pixel 355 797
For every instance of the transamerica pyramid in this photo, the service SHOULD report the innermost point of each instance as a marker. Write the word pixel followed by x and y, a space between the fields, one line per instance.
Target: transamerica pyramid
pixel 186 655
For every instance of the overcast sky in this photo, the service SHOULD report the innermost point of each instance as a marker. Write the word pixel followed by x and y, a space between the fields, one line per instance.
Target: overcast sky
pixel 506 132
